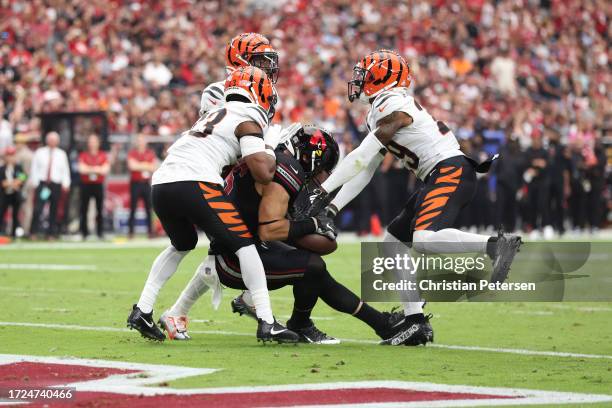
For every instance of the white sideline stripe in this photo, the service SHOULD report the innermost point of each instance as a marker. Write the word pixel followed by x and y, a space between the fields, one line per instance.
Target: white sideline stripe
pixel 17 289
pixel 534 312
pixel 223 332
pixel 136 384
pixel 52 267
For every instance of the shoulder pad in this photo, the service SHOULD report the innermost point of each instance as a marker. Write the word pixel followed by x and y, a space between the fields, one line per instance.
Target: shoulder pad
pixel 249 112
pixel 385 104
pixel 212 97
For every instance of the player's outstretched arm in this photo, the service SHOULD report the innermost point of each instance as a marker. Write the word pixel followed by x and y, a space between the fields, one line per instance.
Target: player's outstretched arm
pixel 260 159
pixel 362 156
pixel 355 185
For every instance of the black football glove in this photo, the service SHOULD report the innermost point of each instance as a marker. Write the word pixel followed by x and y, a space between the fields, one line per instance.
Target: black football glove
pixel 325 226
pixel 309 203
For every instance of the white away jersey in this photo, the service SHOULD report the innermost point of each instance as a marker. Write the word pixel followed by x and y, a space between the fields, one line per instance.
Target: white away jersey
pixel 201 152
pixel 422 144
pixel 212 97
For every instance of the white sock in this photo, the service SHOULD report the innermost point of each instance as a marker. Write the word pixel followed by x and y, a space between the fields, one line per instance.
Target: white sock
pixel 254 278
pixel 410 300
pixel 448 241
pixel 163 268
pixel 192 292
pixel 246 298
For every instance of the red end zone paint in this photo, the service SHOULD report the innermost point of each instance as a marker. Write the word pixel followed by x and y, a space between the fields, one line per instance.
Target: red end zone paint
pixel 270 399
pixel 113 384
pixel 27 374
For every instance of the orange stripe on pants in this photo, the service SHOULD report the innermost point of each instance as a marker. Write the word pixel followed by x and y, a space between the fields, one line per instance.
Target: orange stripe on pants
pixel 209 192
pixel 422 227
pixel 231 217
pixel 440 190
pixel 222 205
pixel 433 204
pixel 426 217
pixel 452 178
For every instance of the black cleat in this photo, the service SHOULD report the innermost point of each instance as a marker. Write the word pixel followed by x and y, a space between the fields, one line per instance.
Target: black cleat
pixel 411 331
pixel 241 307
pixel 311 334
pixel 506 248
pixel 143 322
pixel 275 332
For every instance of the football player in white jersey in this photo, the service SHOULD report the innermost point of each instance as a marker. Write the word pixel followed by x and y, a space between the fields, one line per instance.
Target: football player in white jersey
pixel 245 49
pixel 188 192
pixel 400 125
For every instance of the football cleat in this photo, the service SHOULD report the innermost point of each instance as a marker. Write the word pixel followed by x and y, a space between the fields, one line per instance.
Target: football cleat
pixel 175 326
pixel 275 332
pixel 506 248
pixel 143 322
pixel 243 308
pixel 411 331
pixel 311 334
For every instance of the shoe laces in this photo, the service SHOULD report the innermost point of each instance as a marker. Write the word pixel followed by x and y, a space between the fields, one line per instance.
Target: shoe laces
pixel 180 323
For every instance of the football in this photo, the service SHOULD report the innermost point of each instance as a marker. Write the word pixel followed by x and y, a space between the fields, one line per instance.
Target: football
pixel 317 243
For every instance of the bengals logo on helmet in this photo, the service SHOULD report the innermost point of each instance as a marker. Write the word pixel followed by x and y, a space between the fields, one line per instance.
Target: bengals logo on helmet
pixel 377 72
pixel 252 49
pixel 252 83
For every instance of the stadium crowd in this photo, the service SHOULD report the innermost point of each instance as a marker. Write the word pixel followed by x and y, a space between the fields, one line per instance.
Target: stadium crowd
pixel 528 78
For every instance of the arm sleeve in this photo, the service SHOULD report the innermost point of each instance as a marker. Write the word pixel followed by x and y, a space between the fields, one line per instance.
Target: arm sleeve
pixel 251 144
pixel 354 186
pixel 354 163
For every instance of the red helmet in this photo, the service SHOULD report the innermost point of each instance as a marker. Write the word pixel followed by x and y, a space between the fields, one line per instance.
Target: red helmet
pixel 252 49
pixel 377 72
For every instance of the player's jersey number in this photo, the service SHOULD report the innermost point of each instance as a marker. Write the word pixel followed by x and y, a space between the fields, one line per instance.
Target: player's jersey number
pixel 410 159
pixel 441 125
pixel 205 125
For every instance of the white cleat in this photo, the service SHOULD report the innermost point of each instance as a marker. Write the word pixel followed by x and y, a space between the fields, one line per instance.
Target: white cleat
pixel 175 326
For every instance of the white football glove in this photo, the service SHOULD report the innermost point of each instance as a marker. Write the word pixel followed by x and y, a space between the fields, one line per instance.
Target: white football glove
pixel 289 131
pixel 272 136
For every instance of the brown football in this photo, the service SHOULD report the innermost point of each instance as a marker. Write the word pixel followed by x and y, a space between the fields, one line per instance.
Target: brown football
pixel 317 243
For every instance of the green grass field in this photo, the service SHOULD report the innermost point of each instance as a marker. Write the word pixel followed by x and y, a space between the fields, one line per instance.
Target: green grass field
pixel 101 298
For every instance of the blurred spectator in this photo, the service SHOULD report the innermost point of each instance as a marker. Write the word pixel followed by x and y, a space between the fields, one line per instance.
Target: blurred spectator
pixel 509 68
pixel 142 162
pixel 6 130
pixel 50 175
pixel 537 178
pixel 508 171
pixel 93 167
pixel 12 179
pixel 23 157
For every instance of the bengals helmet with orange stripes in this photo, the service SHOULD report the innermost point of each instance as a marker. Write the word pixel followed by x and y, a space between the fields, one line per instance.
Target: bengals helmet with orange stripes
pixel 253 84
pixel 252 49
pixel 377 72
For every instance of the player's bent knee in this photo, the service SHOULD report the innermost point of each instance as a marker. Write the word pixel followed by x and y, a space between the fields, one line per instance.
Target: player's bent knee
pixel 316 265
pixel 183 246
pixel 420 239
